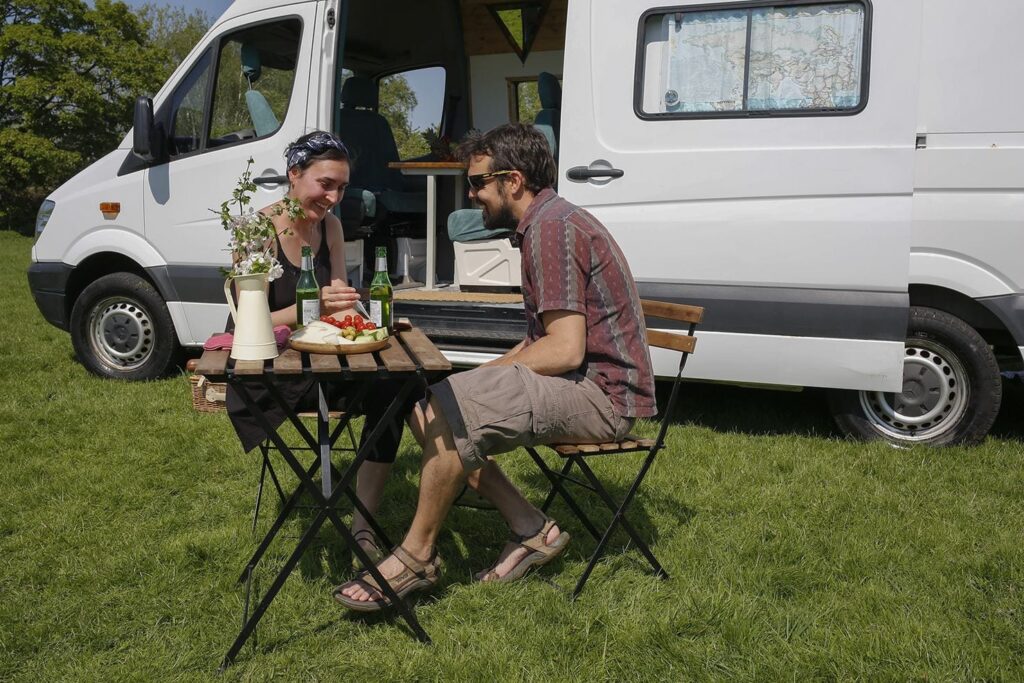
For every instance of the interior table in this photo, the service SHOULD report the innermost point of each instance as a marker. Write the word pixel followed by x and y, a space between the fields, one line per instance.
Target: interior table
pixel 411 359
pixel 433 169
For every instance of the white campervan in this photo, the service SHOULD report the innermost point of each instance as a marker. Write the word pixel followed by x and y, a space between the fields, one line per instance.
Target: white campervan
pixel 840 184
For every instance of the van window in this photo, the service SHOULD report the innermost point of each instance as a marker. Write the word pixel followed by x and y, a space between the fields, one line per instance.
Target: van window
pixel 795 58
pixel 255 73
pixel 523 99
pixel 188 109
pixel 413 103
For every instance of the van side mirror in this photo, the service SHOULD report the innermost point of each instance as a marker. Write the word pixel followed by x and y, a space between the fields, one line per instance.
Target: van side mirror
pixel 143 141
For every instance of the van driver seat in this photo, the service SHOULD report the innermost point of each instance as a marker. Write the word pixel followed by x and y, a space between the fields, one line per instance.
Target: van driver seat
pixel 383 193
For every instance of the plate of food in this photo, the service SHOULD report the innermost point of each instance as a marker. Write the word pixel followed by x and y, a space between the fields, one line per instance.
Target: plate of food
pixel 351 334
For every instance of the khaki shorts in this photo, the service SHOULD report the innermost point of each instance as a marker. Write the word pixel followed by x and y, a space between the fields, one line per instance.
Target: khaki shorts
pixel 497 409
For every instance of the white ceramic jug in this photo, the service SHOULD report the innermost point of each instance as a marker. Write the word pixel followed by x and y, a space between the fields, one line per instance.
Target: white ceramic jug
pixel 254 330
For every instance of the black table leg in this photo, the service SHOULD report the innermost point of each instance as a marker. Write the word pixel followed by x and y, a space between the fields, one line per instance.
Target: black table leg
pixel 326 504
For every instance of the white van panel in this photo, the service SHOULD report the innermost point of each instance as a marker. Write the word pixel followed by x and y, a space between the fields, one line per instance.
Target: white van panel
pixel 180 319
pixel 955 272
pixel 975 65
pixel 738 242
pixel 118 239
pixel 801 361
pixel 205 317
pixel 489 89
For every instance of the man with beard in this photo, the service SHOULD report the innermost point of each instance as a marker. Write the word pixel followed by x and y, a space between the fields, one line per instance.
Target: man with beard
pixel 582 374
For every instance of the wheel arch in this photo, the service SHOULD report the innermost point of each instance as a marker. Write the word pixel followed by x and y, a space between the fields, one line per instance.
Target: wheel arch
pixel 96 266
pixel 988 324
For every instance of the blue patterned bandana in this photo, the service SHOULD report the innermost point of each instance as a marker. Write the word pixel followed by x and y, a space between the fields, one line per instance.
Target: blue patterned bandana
pixel 318 143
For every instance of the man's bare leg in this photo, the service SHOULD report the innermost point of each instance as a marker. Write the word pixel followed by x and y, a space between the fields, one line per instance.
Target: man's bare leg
pixel 490 482
pixel 523 518
pixel 369 489
pixel 441 478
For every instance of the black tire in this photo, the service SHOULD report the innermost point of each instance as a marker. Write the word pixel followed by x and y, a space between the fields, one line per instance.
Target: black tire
pixel 121 328
pixel 951 389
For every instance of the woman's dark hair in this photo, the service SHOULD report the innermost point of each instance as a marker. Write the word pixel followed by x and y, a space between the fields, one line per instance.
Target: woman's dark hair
pixel 514 147
pixel 316 146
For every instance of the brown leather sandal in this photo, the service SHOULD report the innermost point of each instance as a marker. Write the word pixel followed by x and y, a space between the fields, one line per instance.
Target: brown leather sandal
pixel 540 553
pixel 416 576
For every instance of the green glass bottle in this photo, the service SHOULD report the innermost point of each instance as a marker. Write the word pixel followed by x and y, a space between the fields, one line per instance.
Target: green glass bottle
pixel 382 294
pixel 307 292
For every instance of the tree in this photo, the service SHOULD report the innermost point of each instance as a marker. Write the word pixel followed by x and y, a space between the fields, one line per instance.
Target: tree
pixel 397 100
pixel 173 30
pixel 69 75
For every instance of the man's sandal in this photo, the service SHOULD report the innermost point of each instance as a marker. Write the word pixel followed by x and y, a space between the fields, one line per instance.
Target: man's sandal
pixel 540 553
pixel 373 550
pixel 416 576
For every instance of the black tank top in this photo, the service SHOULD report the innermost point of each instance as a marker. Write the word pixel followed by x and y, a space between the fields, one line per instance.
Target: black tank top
pixel 282 290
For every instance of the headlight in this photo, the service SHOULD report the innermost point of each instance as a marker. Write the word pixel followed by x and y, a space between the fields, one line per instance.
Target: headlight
pixel 43 216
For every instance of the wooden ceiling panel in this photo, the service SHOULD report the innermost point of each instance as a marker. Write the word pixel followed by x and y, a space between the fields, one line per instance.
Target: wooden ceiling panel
pixel 483 36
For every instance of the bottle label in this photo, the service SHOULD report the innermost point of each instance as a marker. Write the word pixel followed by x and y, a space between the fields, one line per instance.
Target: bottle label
pixel 376 312
pixel 310 311
pixel 382 264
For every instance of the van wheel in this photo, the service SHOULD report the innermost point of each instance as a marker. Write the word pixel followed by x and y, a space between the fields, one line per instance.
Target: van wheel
pixel 951 388
pixel 120 328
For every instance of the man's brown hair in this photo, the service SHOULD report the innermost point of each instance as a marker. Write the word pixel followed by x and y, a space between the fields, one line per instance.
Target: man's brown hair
pixel 514 147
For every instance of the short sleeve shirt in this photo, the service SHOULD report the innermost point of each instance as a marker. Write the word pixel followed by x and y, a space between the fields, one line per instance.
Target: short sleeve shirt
pixel 571 263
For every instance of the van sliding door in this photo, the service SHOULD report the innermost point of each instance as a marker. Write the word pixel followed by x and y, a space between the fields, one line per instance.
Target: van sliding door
pixel 766 164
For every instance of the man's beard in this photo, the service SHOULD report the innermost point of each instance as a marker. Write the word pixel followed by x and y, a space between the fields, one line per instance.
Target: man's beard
pixel 502 219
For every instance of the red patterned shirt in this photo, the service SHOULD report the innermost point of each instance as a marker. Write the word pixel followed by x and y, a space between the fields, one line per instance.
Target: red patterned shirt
pixel 571 263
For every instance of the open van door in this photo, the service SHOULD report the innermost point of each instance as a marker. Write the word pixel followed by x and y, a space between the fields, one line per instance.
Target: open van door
pixel 740 170
pixel 243 97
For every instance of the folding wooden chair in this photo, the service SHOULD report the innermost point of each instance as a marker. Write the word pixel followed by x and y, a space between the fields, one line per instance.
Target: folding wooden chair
pixel 576 455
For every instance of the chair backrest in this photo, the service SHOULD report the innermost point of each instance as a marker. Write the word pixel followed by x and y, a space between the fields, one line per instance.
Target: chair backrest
pixel 368 136
pixel 684 342
pixel 548 119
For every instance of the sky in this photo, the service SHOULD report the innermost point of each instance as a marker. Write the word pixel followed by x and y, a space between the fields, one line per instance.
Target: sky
pixel 213 8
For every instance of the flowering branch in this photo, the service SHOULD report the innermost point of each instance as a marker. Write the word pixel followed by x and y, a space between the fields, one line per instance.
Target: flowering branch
pixel 252 232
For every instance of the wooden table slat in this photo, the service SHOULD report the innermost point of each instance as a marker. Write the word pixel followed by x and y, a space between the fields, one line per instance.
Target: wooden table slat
pixel 249 367
pixel 288 363
pixel 395 358
pixel 424 350
pixel 213 363
pixel 361 362
pixel 324 362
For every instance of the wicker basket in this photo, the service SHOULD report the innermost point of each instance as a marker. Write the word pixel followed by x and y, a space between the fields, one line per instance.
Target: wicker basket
pixel 207 396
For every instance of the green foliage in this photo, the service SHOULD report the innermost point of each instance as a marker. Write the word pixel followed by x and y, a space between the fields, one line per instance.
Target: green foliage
pixel 397 100
pixel 794 554
pixel 69 75
pixel 174 31
pixel 528 100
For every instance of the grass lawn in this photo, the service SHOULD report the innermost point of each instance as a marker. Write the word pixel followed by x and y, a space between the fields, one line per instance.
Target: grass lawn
pixel 794 554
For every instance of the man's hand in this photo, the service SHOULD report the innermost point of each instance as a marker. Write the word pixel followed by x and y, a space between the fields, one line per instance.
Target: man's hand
pixel 560 350
pixel 336 297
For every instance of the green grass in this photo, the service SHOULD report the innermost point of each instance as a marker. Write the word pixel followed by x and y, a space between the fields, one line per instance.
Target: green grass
pixel 124 521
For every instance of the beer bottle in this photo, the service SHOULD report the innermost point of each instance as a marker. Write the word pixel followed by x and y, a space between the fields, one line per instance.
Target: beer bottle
pixel 307 292
pixel 381 293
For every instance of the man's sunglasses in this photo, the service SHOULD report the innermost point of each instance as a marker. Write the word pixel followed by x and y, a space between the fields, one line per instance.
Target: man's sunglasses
pixel 478 181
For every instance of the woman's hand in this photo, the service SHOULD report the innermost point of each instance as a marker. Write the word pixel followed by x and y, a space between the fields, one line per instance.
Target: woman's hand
pixel 336 297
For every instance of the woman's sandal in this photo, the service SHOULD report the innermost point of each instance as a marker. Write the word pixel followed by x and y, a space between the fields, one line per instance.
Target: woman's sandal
pixel 540 553
pixel 373 551
pixel 416 576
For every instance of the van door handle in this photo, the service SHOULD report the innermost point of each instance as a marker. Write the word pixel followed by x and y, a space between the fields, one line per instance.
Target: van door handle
pixel 271 180
pixel 586 173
